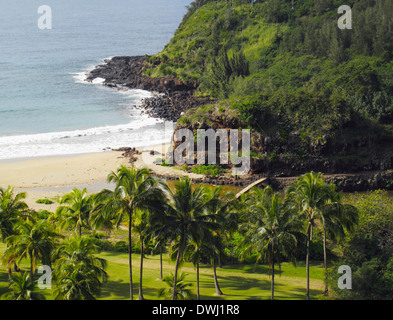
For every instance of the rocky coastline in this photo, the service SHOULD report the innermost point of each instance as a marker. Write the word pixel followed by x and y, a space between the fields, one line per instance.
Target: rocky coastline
pixel 172 98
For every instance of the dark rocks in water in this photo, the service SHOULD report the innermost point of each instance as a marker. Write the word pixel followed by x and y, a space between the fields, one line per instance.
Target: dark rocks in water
pixel 171 105
pixel 174 98
pixel 119 71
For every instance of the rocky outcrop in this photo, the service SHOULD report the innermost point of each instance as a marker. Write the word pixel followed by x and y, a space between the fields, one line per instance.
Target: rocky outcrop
pixel 278 156
pixel 172 105
pixel 127 72
pixel 173 97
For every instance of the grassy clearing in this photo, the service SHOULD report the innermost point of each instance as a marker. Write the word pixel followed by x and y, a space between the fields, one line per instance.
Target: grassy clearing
pixel 238 282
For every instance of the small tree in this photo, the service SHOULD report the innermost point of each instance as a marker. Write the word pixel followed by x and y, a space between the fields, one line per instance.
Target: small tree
pixel 182 290
pixel 22 288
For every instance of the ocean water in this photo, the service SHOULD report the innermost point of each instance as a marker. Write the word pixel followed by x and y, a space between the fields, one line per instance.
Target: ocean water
pixel 46 107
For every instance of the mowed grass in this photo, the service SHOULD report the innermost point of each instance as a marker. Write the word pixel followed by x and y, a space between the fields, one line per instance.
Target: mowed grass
pixel 237 282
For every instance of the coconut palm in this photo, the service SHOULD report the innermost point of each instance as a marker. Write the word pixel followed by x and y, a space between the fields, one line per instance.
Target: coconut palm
pixel 11 208
pixel 194 254
pixel 157 230
pixel 134 189
pixel 186 218
pixel 22 288
pixel 182 288
pixel 197 250
pixel 271 229
pixel 78 273
pixel 311 194
pixel 76 283
pixel 215 253
pixel 141 221
pixel 33 240
pixel 74 210
pixel 223 208
pixel 335 219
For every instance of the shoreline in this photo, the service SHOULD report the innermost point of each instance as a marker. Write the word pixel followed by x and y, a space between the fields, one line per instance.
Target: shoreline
pixel 51 177
pixel 56 171
pixel 57 174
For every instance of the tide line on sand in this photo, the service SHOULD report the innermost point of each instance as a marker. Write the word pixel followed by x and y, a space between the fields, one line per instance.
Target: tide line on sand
pixel 54 176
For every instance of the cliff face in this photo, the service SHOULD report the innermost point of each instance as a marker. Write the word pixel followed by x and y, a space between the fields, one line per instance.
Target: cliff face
pixel 275 155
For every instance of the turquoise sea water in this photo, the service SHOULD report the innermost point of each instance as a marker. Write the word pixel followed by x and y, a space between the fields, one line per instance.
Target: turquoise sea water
pixel 45 106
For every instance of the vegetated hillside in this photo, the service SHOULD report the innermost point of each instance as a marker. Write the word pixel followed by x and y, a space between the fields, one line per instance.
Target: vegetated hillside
pixel 316 97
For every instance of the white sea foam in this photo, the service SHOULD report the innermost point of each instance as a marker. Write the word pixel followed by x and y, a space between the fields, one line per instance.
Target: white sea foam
pixel 98 81
pixel 145 132
pixel 141 130
pixel 80 77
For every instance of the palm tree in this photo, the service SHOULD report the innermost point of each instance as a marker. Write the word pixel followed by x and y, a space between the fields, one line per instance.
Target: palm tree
pixel 335 219
pixel 11 209
pixel 271 229
pixel 22 288
pixel 75 208
pixel 134 189
pixel 141 228
pixel 182 288
pixel 157 230
pixel 311 194
pixel 186 218
pixel 78 273
pixel 33 240
pixel 215 252
pixel 222 207
pixel 193 253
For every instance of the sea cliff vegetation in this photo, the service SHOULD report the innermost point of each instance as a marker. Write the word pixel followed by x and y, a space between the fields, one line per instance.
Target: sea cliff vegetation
pixel 316 97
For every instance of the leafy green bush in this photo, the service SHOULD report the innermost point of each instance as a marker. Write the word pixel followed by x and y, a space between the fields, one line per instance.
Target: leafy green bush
pixel 44 201
pixel 120 246
pixel 209 170
pixel 368 249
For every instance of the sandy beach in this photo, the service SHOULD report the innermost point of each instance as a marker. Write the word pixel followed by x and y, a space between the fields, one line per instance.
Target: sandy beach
pixel 52 177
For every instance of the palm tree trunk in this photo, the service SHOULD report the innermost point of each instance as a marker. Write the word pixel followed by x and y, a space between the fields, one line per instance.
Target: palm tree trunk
pixel 308 264
pixel 197 266
pixel 160 262
pixel 272 284
pixel 325 262
pixel 31 269
pixel 179 253
pixel 174 295
pixel 218 290
pixel 141 272
pixel 130 258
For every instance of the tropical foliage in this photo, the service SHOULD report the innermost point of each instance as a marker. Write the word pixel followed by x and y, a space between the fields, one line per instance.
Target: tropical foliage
pixel 204 226
pixel 285 69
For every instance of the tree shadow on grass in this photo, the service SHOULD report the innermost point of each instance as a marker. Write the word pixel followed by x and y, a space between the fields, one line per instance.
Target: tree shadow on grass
pixel 230 284
pixel 264 269
pixel 253 289
pixel 120 290
pixel 301 293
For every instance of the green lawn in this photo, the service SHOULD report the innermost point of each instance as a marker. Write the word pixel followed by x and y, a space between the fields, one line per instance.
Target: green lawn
pixel 238 282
